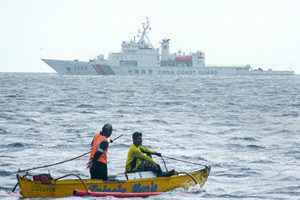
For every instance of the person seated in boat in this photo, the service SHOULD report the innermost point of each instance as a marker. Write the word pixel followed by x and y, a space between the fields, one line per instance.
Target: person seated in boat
pixel 139 157
pixel 98 156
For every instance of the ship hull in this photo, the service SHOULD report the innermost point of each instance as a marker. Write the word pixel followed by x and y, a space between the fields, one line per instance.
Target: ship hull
pixel 68 67
pixel 271 72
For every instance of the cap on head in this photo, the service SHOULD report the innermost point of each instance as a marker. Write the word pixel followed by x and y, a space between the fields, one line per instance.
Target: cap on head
pixel 136 135
pixel 107 130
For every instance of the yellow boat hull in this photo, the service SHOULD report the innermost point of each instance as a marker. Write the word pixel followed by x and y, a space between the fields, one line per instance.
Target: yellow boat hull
pixel 66 187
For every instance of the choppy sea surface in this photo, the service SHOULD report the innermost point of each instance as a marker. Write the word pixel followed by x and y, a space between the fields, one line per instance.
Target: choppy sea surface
pixel 247 128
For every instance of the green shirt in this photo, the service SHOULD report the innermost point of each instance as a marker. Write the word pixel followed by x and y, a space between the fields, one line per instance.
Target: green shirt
pixel 136 155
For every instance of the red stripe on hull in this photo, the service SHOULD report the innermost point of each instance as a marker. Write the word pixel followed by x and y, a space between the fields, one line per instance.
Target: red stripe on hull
pixel 115 194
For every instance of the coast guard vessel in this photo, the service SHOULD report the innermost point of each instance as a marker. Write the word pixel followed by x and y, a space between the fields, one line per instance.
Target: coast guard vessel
pixel 139 57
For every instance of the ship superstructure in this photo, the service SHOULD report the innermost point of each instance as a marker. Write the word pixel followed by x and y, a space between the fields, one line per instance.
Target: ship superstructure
pixel 139 57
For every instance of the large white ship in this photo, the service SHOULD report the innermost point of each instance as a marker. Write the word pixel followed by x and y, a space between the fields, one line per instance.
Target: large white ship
pixel 139 57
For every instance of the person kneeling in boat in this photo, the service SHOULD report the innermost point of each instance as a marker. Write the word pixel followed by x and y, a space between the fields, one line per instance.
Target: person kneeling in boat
pixel 98 157
pixel 139 157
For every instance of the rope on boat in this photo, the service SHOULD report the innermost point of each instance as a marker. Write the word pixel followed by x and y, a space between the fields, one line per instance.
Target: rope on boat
pixel 15 187
pixel 13 190
pixel 77 176
pixel 64 161
pixel 185 161
pixel 50 165
pixel 191 176
pixel 164 164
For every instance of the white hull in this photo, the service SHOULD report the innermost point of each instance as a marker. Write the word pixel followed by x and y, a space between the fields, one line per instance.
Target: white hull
pixel 67 67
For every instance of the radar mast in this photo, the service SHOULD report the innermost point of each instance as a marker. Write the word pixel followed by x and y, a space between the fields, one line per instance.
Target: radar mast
pixel 144 42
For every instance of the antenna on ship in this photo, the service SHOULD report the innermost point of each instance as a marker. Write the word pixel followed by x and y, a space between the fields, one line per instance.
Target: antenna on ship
pixel 144 41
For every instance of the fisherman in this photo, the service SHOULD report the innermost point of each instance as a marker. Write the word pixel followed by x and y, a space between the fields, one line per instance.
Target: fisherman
pixel 139 157
pixel 98 157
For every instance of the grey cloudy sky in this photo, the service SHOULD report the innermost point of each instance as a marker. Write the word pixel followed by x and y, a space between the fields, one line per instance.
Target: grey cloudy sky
pixel 263 33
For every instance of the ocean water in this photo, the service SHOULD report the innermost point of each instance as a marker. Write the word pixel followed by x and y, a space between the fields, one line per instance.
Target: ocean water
pixel 246 128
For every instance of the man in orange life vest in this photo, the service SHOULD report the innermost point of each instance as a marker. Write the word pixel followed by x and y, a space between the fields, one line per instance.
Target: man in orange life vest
pixel 98 156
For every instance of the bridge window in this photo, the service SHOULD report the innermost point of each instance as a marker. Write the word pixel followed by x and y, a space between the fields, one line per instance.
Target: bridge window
pixel 128 63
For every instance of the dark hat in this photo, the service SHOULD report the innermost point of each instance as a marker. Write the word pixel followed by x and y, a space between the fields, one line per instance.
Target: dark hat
pixel 136 134
pixel 107 130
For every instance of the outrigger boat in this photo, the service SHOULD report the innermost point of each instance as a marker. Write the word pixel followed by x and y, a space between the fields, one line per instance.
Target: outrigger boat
pixel 139 184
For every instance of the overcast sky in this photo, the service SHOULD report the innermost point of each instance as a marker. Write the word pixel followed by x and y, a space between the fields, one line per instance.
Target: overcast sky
pixel 263 33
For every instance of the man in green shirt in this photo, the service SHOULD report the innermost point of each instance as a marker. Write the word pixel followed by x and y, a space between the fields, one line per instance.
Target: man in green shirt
pixel 139 157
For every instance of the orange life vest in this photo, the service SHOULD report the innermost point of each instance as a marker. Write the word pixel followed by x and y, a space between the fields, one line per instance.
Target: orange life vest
pixel 97 140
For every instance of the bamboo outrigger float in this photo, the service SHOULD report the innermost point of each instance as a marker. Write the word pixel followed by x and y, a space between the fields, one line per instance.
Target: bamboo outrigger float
pixel 49 187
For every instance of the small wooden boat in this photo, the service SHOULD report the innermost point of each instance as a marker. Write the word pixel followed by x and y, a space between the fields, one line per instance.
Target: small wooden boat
pixel 45 186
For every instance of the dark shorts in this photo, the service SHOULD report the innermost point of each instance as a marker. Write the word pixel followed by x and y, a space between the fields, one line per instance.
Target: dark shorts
pixel 149 166
pixel 98 171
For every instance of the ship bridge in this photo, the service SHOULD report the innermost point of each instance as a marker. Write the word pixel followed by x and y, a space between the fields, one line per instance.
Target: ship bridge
pixel 138 51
